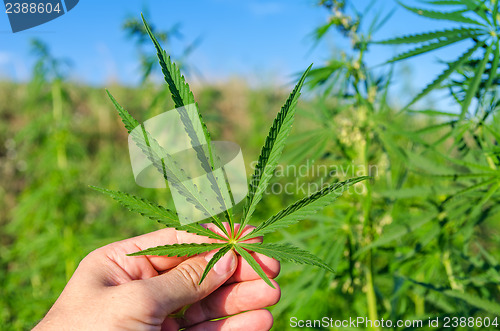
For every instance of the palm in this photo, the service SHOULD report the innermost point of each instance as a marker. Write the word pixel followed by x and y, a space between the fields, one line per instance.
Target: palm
pixel 243 291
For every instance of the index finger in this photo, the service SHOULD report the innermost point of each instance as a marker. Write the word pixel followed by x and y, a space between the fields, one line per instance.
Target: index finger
pixel 133 265
pixel 137 266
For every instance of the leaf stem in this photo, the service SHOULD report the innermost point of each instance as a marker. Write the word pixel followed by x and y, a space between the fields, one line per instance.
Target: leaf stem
pixel 449 272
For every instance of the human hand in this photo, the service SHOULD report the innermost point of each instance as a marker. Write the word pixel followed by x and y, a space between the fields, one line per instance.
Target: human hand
pixel 112 291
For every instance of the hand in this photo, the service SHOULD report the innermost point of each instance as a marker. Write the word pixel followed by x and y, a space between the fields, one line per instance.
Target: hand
pixel 112 291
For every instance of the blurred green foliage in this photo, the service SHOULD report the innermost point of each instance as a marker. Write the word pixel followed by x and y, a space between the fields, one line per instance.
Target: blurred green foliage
pixel 59 137
pixel 422 239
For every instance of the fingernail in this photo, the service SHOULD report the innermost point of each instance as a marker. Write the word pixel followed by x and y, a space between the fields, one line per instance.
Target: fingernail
pixel 224 265
pixel 210 255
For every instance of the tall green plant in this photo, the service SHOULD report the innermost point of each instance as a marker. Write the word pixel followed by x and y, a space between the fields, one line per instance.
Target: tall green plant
pixel 408 245
pixel 479 24
pixel 136 31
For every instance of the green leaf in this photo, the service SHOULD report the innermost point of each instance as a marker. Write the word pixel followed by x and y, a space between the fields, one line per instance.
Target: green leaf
pixel 471 188
pixel 271 151
pixel 143 207
pixel 426 48
pixel 179 249
pixel 488 257
pixel 226 248
pixel 254 264
pixel 479 8
pixel 396 231
pixel 446 73
pixel 422 37
pixel 494 66
pixel 148 145
pixel 389 142
pixel 304 207
pixel 435 127
pixel 466 163
pixel 490 306
pixel 485 197
pixel 492 131
pixel 321 31
pixel 314 144
pixel 182 96
pixel 287 252
pixel 320 75
pixel 476 80
pixel 128 120
pixel 412 192
pixel 446 2
pixel 455 16
pixel 456 176
pixel 494 14
pixel 431 112
pixel 156 212
pixel 164 163
pixel 483 304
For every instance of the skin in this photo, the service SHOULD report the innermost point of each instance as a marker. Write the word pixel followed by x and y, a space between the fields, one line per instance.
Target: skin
pixel 112 291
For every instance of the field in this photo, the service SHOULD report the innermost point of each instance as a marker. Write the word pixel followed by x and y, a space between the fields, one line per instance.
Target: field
pixel 419 240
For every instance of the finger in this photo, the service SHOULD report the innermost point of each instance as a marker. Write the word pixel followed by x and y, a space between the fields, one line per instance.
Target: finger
pixel 126 268
pixel 172 236
pixel 232 299
pixel 143 267
pixel 181 285
pixel 245 272
pixel 255 320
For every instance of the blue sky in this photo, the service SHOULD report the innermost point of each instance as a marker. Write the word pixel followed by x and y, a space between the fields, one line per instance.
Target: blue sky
pixel 263 41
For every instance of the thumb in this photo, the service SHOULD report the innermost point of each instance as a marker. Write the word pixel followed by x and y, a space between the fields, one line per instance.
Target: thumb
pixel 180 286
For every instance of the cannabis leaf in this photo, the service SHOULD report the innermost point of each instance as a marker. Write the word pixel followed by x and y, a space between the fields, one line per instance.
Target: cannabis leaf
pixel 423 37
pixel 481 29
pixel 165 164
pixel 452 67
pixel 155 212
pixel 287 252
pixel 179 249
pixel 304 208
pixel 253 263
pixel 220 253
pixel 455 16
pixel 271 151
pixel 182 96
pixel 268 160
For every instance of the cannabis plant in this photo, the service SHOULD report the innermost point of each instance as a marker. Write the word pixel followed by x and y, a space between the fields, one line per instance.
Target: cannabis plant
pixel 231 238
pixel 412 244
pixel 479 24
pixel 135 31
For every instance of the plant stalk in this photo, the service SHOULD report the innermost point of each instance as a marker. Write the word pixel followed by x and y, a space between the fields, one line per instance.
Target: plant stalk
pixel 367 202
pixel 57 111
pixel 449 272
